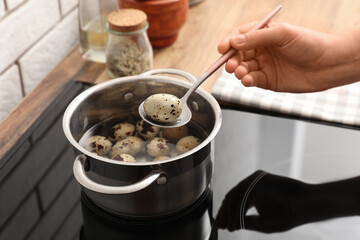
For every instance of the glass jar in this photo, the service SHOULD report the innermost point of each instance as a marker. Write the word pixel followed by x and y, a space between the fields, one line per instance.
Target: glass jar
pixel 128 51
pixel 92 27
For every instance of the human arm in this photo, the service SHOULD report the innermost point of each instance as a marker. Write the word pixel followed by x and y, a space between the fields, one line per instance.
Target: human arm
pixel 288 58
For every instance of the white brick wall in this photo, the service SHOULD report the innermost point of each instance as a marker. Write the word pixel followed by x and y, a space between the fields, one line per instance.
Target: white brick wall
pixel 41 58
pixel 67 5
pixel 11 4
pixel 2 8
pixel 25 27
pixel 10 90
pixel 35 36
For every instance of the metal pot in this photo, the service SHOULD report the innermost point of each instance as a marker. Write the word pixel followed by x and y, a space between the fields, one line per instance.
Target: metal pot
pixel 146 189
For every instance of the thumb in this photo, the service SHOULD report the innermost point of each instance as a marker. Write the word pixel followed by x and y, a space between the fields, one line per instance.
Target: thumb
pixel 258 38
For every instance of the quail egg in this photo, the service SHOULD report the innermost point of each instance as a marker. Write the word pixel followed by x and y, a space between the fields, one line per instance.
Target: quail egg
pixel 174 134
pixel 98 144
pixel 124 157
pixel 130 145
pixel 158 147
pixel 146 130
pixel 163 107
pixel 122 130
pixel 187 143
pixel 159 158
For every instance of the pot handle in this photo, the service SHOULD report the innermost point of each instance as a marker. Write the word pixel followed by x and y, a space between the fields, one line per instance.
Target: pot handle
pixel 80 175
pixel 181 73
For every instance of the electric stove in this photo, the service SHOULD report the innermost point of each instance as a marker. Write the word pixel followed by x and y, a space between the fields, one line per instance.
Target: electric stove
pixel 282 178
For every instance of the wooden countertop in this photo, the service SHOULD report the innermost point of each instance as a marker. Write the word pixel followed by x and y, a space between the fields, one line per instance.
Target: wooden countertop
pixel 194 50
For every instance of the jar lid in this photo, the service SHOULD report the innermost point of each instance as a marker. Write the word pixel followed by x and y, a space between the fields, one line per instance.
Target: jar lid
pixel 127 20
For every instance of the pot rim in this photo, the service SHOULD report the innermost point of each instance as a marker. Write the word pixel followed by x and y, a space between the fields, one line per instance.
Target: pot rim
pixel 88 92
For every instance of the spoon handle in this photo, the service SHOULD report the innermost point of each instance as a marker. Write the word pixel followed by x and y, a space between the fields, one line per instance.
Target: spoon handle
pixel 226 56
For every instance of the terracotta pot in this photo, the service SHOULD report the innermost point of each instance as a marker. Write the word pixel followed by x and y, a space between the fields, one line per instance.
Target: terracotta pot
pixel 165 17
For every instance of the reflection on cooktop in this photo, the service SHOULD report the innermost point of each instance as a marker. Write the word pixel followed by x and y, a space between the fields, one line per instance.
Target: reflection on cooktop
pixel 283 203
pixel 307 185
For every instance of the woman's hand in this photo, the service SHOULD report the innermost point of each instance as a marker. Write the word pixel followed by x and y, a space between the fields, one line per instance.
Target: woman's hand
pixel 288 58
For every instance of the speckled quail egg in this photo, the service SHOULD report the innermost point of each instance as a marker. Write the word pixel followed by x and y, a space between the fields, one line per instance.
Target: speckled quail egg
pixel 187 143
pixel 163 107
pixel 174 134
pixel 98 144
pixel 158 147
pixel 146 130
pixel 124 157
pixel 130 145
pixel 159 158
pixel 121 131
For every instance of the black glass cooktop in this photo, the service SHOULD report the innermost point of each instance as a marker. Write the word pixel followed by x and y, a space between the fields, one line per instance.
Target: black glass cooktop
pixel 288 179
pixel 274 178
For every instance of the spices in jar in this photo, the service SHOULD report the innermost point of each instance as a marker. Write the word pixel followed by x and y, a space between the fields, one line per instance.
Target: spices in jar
pixel 128 51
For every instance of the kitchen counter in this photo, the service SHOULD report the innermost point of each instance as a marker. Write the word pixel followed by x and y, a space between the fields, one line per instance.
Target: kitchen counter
pixel 194 51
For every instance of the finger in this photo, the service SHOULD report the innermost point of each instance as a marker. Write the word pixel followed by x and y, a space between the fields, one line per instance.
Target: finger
pixel 255 79
pixel 237 215
pixel 266 225
pixel 218 219
pixel 243 28
pixel 246 67
pixel 224 44
pixel 258 38
pixel 233 218
pixel 249 54
pixel 221 217
pixel 234 62
pixel 231 213
pixel 228 215
pixel 253 223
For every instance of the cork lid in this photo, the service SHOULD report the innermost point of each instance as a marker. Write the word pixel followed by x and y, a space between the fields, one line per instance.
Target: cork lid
pixel 127 20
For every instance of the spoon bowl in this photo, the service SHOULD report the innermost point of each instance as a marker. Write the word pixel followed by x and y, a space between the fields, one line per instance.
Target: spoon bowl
pixel 183 119
pixel 185 115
